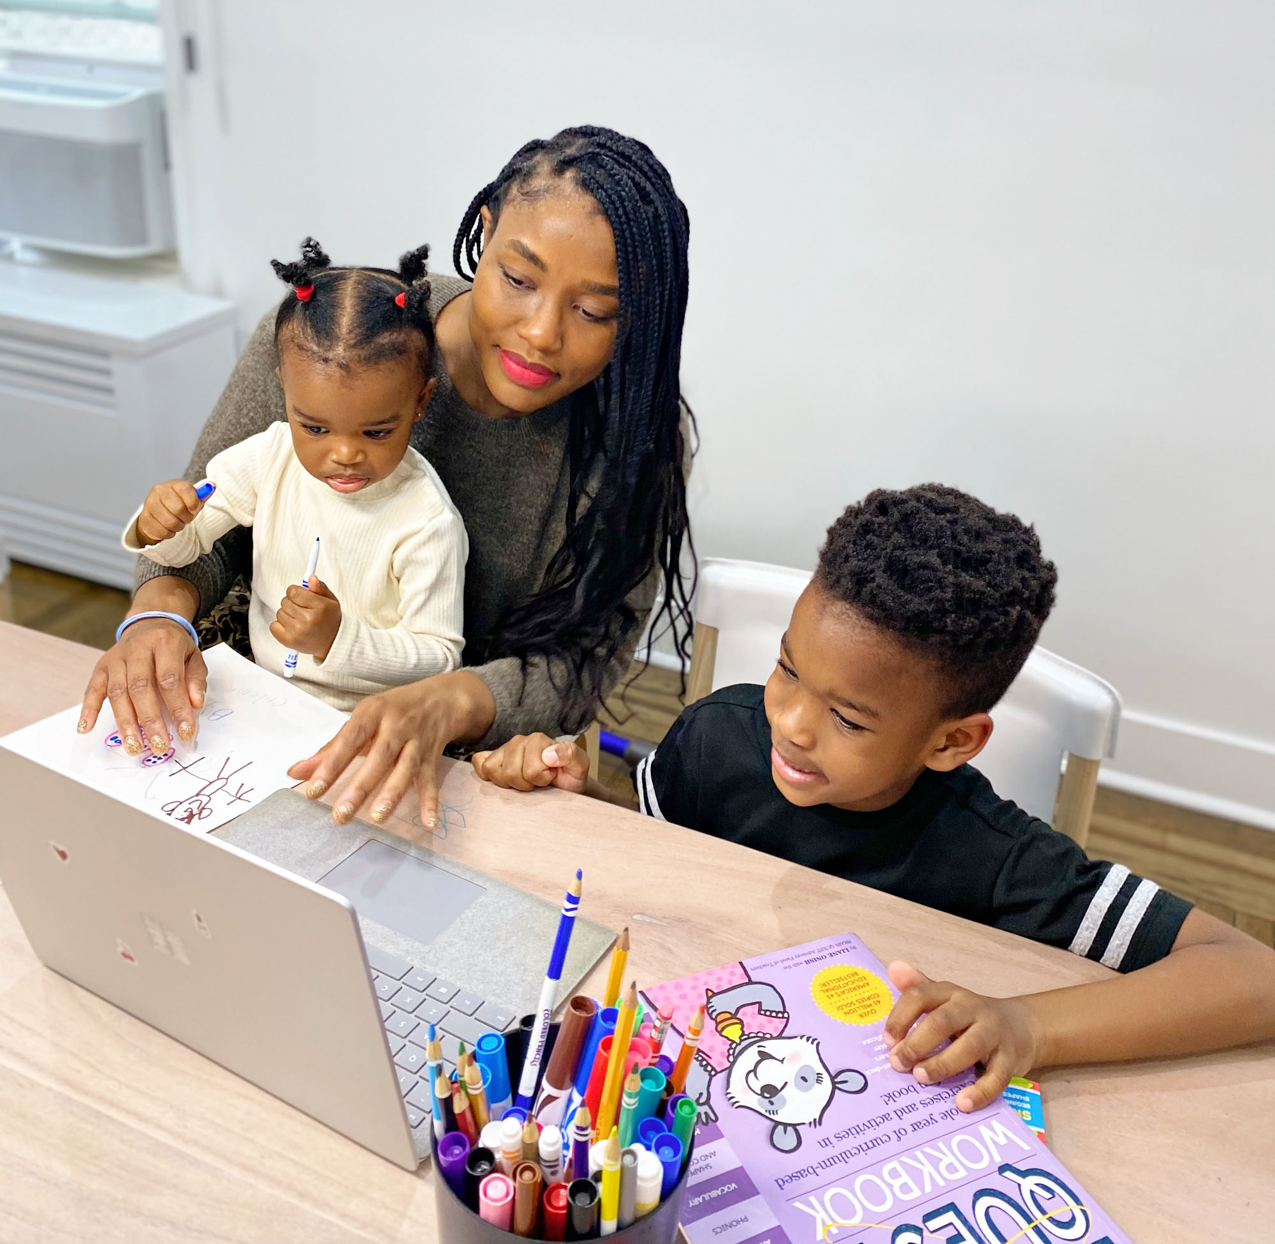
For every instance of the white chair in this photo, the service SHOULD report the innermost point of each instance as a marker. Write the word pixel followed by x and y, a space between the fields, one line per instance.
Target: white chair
pixel 1056 719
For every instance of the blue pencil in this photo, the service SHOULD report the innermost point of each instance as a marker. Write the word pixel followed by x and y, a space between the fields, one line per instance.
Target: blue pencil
pixel 433 1065
pixel 544 1012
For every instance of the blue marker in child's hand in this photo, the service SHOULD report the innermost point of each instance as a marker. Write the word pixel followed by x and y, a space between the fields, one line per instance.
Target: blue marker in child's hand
pixel 205 489
pixel 290 661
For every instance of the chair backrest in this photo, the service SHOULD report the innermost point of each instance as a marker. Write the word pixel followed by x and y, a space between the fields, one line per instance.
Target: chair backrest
pixel 1053 708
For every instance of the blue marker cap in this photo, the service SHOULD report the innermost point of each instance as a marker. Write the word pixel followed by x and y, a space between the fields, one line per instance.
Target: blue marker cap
pixel 514 1112
pixel 489 1054
pixel 669 1151
pixel 665 1064
pixel 650 1130
pixel 205 489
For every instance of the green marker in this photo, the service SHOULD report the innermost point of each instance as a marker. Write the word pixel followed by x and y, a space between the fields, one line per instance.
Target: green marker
pixel 683 1122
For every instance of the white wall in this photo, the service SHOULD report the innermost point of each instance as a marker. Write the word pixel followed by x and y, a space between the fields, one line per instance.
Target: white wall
pixel 1023 248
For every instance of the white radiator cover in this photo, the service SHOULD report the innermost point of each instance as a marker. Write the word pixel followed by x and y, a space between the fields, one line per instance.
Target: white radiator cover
pixel 104 385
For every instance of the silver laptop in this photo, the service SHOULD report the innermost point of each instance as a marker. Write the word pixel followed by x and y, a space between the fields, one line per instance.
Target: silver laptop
pixel 263 970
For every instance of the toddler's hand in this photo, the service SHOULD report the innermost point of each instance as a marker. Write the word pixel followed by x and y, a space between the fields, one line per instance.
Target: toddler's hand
pixel 168 508
pixel 998 1032
pixel 308 619
pixel 532 760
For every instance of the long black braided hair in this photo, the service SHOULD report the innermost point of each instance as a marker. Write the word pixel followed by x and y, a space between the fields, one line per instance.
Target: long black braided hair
pixel 625 438
pixel 356 317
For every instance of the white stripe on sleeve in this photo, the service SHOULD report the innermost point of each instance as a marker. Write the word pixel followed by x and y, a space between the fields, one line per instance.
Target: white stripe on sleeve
pixel 1130 918
pixel 1082 943
pixel 647 799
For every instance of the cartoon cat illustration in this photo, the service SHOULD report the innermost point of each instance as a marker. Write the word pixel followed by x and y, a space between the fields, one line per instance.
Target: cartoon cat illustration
pixel 783 1078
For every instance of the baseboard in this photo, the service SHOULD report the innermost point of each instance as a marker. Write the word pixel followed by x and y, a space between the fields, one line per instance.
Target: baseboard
pixel 1210 771
pixel 58 539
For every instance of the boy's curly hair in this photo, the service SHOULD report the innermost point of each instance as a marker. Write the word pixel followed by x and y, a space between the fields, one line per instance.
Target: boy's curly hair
pixel 950 578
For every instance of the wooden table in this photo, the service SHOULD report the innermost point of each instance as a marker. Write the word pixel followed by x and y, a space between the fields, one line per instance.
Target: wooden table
pixel 110 1131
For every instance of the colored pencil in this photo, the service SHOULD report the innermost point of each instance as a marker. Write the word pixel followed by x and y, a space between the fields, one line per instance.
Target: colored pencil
pixel 663 1022
pixel 544 1012
pixel 615 977
pixel 477 1097
pixel 677 1081
pixel 433 1068
pixel 530 1142
pixel 615 1068
pixel 464 1115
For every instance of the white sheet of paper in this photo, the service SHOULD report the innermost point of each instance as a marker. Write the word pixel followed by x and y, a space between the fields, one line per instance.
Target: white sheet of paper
pixel 253 726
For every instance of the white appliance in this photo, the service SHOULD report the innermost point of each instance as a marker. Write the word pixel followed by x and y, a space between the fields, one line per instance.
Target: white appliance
pixel 84 166
pixel 83 154
pixel 104 385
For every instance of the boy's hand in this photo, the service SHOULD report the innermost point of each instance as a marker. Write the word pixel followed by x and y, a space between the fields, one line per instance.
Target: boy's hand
pixel 168 508
pixel 308 619
pixel 998 1032
pixel 533 760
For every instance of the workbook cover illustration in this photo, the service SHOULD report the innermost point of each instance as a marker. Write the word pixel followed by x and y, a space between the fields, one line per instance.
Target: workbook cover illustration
pixel 806 1133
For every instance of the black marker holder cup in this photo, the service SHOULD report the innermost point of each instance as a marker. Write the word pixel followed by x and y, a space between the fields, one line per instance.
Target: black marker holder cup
pixel 458 1224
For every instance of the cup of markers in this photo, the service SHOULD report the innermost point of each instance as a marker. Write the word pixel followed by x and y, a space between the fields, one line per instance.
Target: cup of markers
pixel 566 1131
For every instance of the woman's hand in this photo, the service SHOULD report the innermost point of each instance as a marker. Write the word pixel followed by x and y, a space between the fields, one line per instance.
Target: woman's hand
pixel 400 734
pixel 998 1032
pixel 154 666
pixel 532 760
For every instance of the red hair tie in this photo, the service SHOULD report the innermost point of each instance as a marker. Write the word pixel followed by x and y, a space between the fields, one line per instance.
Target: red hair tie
pixel 303 292
pixel 400 299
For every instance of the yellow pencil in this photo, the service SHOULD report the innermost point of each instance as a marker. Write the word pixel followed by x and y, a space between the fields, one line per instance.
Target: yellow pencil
pixel 610 1185
pixel 615 977
pixel 615 1066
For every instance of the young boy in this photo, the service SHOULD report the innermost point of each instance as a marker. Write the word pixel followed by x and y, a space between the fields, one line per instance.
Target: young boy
pixel 855 759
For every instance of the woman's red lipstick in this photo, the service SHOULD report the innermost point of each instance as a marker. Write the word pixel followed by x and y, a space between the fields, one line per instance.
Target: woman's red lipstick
pixel 520 371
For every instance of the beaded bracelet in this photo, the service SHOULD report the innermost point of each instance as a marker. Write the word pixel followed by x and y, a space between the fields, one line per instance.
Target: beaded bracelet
pixel 158 613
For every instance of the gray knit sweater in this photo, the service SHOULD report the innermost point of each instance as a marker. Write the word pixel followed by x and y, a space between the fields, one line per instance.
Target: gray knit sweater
pixel 508 478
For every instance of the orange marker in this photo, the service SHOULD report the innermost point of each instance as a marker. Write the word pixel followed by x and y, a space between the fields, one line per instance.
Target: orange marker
pixel 677 1081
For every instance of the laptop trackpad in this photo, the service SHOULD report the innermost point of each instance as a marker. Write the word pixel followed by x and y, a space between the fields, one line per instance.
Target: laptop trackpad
pixel 400 891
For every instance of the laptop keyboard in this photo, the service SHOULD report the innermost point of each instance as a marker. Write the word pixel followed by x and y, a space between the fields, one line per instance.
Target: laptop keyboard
pixel 411 998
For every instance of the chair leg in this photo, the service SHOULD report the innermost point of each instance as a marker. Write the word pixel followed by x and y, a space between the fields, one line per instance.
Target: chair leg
pixel 1076 793
pixel 593 747
pixel 699 681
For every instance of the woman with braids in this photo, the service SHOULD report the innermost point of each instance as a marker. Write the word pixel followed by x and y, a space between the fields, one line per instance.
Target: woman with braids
pixel 356 363
pixel 557 428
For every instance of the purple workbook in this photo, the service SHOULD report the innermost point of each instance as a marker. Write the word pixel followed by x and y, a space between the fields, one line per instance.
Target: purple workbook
pixel 807 1134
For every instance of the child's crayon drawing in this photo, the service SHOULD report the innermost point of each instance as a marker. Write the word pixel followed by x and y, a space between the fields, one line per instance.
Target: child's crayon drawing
pixel 252 728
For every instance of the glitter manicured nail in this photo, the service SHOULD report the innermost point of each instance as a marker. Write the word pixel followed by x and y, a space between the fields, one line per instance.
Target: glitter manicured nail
pixel 132 747
pixel 342 812
pixel 82 727
pixel 315 789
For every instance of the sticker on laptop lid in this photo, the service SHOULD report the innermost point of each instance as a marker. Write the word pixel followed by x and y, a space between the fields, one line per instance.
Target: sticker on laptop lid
pixel 59 850
pixel 200 924
pixel 122 949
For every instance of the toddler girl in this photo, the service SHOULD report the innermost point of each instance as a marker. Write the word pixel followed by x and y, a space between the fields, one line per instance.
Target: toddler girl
pixel 356 358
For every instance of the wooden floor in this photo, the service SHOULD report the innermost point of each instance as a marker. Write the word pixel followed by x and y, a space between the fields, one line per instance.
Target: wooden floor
pixel 1225 867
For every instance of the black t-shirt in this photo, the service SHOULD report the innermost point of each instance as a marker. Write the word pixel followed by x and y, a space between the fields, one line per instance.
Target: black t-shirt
pixel 951 842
